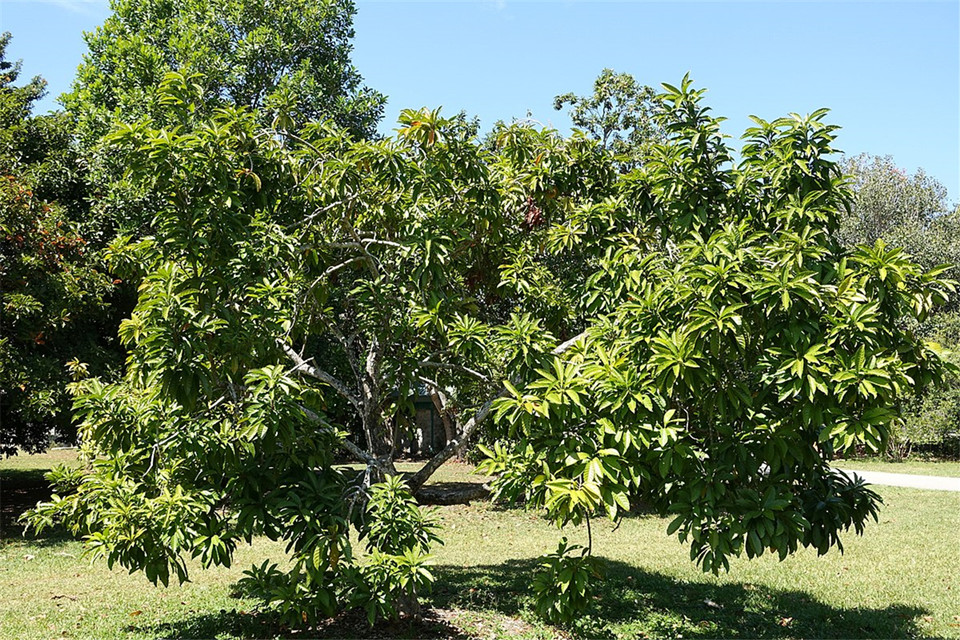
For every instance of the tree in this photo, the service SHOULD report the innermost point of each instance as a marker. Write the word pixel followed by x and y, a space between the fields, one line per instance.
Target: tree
pixel 737 348
pixel 288 60
pixel 909 211
pixel 912 212
pixel 688 334
pixel 52 292
pixel 621 115
pixel 297 282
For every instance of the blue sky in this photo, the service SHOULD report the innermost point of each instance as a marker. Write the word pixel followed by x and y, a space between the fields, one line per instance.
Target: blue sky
pixel 890 71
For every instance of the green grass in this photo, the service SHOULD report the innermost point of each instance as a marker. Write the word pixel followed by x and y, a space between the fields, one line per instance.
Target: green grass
pixel 946 468
pixel 898 580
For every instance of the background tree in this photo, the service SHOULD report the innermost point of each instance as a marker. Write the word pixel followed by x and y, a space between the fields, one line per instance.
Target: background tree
pixel 909 211
pixel 54 320
pixel 912 212
pixel 288 60
pixel 620 115
pixel 689 334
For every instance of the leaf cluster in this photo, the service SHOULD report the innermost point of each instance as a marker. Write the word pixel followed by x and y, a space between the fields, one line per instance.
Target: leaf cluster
pixel 737 348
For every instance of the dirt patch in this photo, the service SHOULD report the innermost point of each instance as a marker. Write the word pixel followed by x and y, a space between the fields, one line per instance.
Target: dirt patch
pixel 458 624
pixel 489 624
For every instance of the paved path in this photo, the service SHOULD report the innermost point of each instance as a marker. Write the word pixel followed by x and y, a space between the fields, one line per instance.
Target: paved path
pixel 907 480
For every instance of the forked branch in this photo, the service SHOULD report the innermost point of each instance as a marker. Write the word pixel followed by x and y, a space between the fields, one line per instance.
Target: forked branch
pixel 470 427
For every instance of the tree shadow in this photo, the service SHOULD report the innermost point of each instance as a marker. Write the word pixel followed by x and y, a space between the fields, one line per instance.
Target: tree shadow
pixel 20 490
pixel 632 602
pixel 452 492
pixel 351 624
pixel 629 602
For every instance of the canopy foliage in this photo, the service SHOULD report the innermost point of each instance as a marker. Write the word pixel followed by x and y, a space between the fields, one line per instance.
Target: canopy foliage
pixel 689 334
pixel 54 322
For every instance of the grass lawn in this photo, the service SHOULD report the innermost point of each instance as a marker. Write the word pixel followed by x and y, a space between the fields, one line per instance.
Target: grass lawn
pixel 898 580
pixel 947 468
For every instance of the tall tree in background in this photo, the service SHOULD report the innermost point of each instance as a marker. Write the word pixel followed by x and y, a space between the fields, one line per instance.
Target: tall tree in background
pixel 912 212
pixel 283 58
pixel 288 60
pixel 620 115
pixel 909 211
pixel 55 325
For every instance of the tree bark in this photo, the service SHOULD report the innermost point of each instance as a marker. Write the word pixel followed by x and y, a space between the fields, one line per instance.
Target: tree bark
pixel 440 404
pixel 379 438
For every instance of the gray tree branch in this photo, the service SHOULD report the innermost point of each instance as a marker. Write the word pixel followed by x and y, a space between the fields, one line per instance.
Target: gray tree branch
pixel 304 367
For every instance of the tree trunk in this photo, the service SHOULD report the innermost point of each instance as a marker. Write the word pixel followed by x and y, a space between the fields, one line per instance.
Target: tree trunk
pixel 455 445
pixel 449 429
pixel 379 444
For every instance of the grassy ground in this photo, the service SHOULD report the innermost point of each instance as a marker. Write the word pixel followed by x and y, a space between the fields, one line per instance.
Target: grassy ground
pixel 899 580
pixel 948 468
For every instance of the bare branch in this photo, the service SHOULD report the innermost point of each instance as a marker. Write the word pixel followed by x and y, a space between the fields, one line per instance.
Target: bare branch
pixel 565 346
pixel 365 242
pixel 319 374
pixel 313 215
pixel 357 452
pixel 297 138
pixel 343 265
pixel 454 367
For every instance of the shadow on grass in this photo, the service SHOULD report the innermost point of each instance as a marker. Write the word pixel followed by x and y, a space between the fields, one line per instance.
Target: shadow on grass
pixel 629 602
pixel 22 489
pixel 634 603
pixel 352 624
pixel 452 492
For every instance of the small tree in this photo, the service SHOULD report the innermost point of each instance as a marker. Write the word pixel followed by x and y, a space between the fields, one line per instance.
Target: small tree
pixel 300 283
pixel 737 348
pixel 688 334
